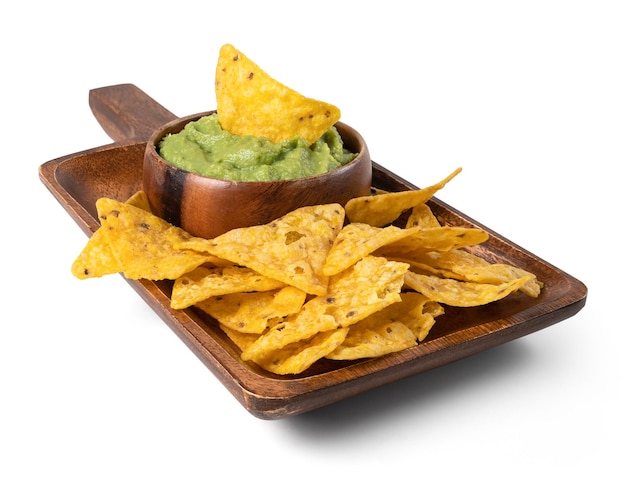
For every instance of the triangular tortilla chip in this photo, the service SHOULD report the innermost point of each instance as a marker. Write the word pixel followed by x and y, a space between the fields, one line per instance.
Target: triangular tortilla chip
pixel 140 200
pixel 394 328
pixel 442 238
pixel 251 312
pixel 204 282
pixel 374 338
pixel 422 216
pixel 357 240
pixel 97 258
pixel 461 294
pixel 290 249
pixel 297 357
pixel 383 209
pixel 143 244
pixel 250 102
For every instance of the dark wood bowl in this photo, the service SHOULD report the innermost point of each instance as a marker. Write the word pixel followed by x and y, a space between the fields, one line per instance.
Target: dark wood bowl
pixel 207 207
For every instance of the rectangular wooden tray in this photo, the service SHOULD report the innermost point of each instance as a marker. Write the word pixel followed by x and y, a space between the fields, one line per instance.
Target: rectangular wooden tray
pixel 79 179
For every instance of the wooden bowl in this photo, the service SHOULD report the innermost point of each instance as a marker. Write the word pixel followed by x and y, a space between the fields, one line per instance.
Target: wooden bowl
pixel 207 207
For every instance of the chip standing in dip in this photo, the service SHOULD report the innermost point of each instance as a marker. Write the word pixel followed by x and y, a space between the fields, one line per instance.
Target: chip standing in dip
pixel 265 151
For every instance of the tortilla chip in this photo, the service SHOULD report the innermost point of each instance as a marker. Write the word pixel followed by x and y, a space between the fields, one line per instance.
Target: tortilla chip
pixel 251 312
pixel 422 216
pixel 144 245
pixel 462 265
pixel 97 258
pixel 394 328
pixel 417 312
pixel 297 357
pixel 291 249
pixel 250 102
pixel 374 338
pixel 461 294
pixel 355 241
pixel 310 320
pixel 204 282
pixel 383 209
pixel 241 339
pixel 444 238
pixel 140 200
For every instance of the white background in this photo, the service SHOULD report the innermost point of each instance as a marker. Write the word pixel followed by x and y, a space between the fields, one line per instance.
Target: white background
pixel 528 97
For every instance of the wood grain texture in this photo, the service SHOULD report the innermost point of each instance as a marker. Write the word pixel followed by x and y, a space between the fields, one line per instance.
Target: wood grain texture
pixel 125 112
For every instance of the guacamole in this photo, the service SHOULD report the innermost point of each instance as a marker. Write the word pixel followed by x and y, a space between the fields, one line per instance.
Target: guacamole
pixel 204 148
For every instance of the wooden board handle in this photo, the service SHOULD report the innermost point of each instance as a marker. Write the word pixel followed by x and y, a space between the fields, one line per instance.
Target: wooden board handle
pixel 127 113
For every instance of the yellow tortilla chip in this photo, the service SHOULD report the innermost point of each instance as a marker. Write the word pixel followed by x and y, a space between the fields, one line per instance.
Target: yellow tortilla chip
pixel 357 240
pixel 250 102
pixel 502 273
pixel 291 249
pixel 310 320
pixel 97 258
pixel 444 238
pixel 204 282
pixel 462 265
pixel 422 216
pixel 371 338
pixel 461 294
pixel 417 312
pixel 251 312
pixel 144 245
pixel 383 209
pixel 140 200
pixel 394 328
pixel 297 357
pixel 241 339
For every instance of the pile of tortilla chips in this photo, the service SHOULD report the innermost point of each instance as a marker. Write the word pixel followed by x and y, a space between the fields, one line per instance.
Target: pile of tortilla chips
pixel 320 282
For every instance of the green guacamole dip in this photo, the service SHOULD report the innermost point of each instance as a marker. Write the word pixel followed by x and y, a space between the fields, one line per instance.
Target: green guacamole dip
pixel 204 148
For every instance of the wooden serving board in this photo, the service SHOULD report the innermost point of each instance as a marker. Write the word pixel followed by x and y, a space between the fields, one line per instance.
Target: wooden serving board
pixel 129 116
